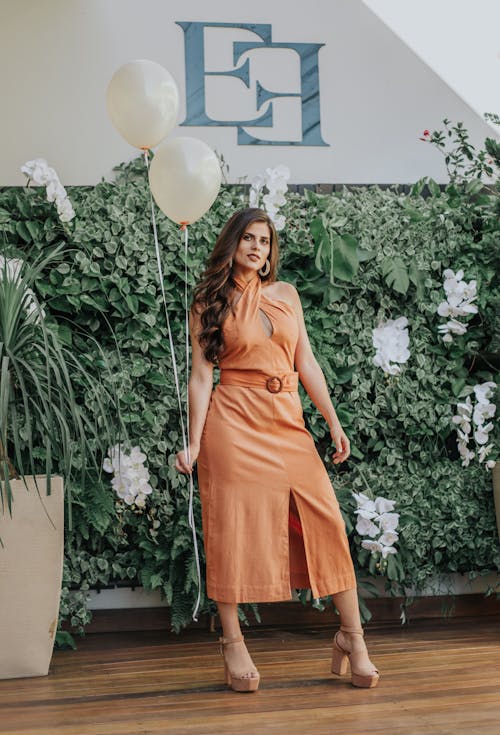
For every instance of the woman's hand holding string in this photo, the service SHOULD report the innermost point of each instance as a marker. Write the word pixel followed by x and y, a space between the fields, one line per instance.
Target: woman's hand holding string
pixel 181 460
pixel 341 442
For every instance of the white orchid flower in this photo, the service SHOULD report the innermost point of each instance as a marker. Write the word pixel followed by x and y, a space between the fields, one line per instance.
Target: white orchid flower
pixel 466 308
pixel 279 222
pixel 476 415
pixel 372 546
pixel 136 456
pixel 391 341
pixel 366 527
pixel 361 499
pixel 365 513
pixel 481 434
pixel 465 426
pixel 482 412
pixel 453 326
pixel 275 180
pixel 483 451
pixel 65 210
pixel 368 506
pixel 388 521
pixel 444 309
pixel 388 538
pixel 40 173
pixel 383 505
pixel 281 171
pixel 55 190
pixel 376 519
pixel 274 199
pixel 258 182
pixel 459 296
pixel 130 480
pixel 253 197
pixel 482 391
pixel 466 406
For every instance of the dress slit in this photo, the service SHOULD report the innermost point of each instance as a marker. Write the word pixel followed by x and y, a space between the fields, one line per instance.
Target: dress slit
pixel 299 569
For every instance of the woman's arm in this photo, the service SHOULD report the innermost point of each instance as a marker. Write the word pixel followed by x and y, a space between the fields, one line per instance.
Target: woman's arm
pixel 312 378
pixel 199 390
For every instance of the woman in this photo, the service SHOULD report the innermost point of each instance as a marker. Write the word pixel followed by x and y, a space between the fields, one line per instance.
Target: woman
pixel 271 521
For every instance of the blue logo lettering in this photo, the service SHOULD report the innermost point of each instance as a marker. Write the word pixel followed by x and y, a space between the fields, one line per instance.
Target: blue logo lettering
pixel 194 46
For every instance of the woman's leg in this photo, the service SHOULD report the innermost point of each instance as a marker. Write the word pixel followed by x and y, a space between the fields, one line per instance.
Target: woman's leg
pixel 237 657
pixel 346 603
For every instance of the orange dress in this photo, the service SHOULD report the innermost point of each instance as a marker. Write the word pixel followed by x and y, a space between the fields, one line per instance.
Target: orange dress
pixel 259 470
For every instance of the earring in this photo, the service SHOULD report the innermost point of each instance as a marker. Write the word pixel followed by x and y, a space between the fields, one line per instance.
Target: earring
pixel 267 267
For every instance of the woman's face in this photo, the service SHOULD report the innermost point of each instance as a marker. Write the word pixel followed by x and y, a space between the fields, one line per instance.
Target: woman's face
pixel 253 248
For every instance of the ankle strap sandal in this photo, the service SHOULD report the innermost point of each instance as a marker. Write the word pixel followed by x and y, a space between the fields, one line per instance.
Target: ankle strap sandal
pixel 340 658
pixel 239 683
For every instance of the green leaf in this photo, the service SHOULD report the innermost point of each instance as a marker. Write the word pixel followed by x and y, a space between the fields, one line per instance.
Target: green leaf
pixel 396 274
pixel 156 378
pixel 434 187
pixel 322 242
pixel 474 187
pixel 64 640
pixel 23 231
pixel 132 303
pixel 457 386
pixel 34 230
pixel 147 299
pixel 345 263
pixel 417 277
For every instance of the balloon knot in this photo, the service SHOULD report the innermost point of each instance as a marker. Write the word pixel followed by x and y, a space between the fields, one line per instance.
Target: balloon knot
pixel 183 225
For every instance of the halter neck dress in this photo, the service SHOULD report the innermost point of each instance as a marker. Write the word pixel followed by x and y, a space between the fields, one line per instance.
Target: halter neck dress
pixel 271 521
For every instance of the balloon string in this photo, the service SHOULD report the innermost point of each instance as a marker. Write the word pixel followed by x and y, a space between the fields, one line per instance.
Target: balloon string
pixel 191 518
pixel 176 378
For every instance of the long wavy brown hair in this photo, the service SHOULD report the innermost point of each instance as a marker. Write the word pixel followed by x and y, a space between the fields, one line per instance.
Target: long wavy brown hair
pixel 212 295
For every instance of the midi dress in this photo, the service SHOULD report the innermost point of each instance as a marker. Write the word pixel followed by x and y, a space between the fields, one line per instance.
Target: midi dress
pixel 271 520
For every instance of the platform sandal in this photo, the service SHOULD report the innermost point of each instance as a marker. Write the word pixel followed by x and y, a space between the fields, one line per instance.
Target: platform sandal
pixel 340 657
pixel 238 683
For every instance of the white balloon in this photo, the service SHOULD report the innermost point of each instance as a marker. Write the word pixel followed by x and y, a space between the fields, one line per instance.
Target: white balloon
pixel 185 178
pixel 143 102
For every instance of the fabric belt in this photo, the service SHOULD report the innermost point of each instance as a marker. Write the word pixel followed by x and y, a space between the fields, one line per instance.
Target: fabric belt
pixel 258 379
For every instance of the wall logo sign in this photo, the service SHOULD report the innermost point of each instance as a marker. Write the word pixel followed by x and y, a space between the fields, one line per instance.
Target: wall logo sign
pixel 196 113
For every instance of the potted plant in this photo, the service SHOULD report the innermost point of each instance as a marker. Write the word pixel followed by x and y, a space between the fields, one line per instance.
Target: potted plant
pixel 46 434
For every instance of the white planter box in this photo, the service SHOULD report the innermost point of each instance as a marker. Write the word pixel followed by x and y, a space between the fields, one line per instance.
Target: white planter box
pixel 31 565
pixel 125 597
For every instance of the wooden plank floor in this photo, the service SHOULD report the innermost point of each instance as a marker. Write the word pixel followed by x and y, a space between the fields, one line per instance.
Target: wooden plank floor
pixel 437 677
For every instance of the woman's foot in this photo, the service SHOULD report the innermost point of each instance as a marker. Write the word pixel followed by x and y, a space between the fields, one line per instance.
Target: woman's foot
pixel 238 659
pixel 349 644
pixel 355 645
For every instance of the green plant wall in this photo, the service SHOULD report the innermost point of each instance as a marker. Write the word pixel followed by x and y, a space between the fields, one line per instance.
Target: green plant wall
pixel 356 256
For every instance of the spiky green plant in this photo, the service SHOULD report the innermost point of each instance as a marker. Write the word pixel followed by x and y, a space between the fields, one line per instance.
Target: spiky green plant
pixel 43 423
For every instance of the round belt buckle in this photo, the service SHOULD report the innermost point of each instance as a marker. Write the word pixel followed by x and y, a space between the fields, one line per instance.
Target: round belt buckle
pixel 269 381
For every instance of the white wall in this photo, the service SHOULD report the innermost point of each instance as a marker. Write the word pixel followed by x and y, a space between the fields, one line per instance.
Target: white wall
pixel 377 96
pixel 460 40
